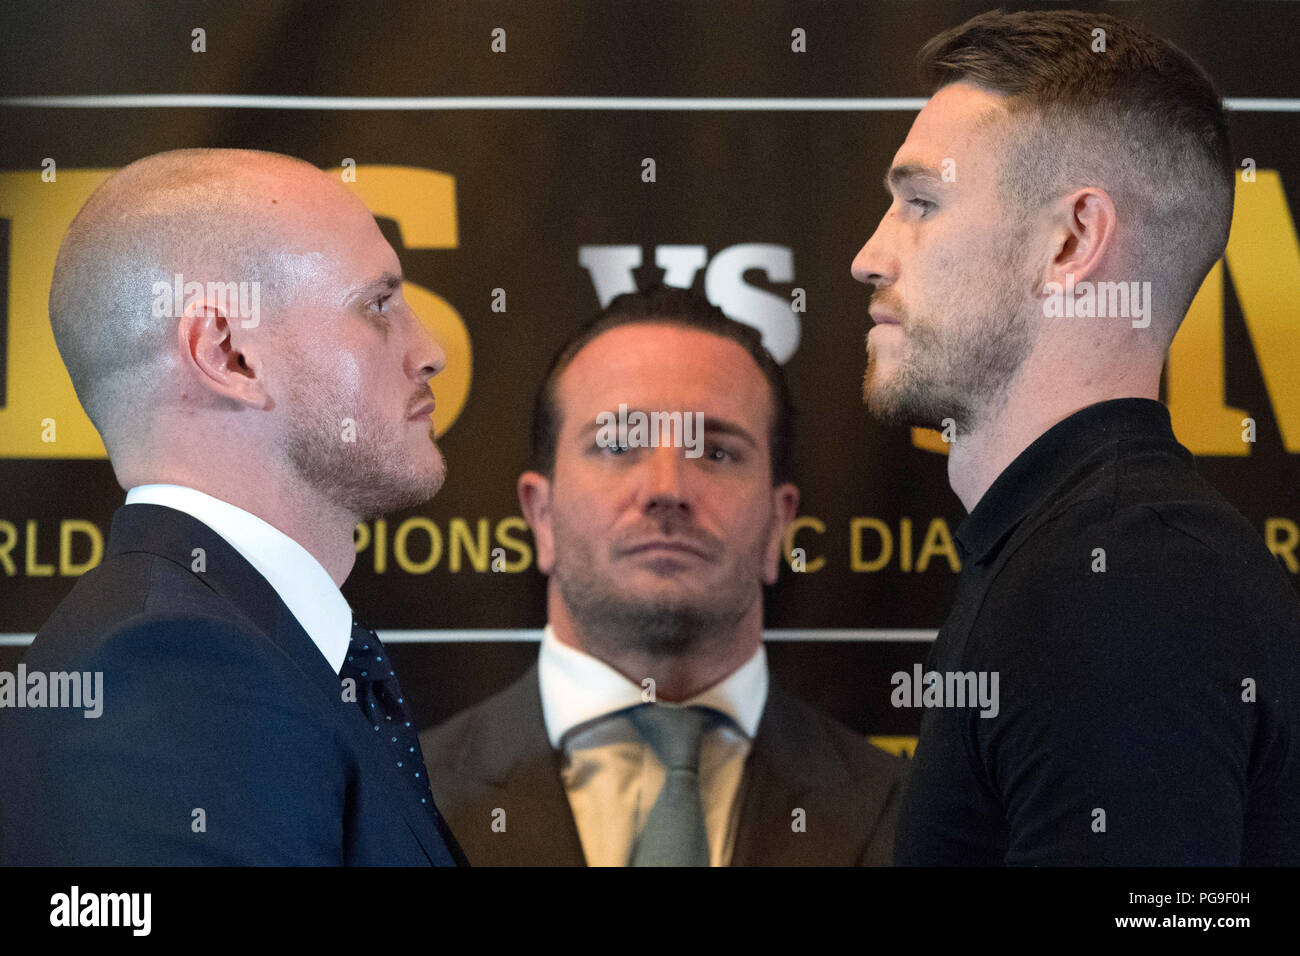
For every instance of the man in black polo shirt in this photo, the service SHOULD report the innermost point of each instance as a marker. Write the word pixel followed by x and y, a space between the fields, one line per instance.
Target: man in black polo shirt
pixel 1057 204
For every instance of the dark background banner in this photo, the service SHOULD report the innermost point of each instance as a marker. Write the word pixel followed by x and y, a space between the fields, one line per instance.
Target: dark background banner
pixel 512 188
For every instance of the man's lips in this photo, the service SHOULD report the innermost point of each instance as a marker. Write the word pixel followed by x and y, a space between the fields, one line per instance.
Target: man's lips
pixel 667 547
pixel 883 318
pixel 424 411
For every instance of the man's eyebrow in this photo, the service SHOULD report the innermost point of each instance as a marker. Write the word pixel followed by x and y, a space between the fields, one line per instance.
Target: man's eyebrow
pixel 387 282
pixel 905 172
pixel 725 427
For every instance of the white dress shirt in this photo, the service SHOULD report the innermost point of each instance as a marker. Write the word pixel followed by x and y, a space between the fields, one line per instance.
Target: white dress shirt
pixel 302 582
pixel 613 777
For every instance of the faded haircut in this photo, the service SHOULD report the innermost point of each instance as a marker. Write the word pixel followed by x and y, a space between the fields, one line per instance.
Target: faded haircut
pixel 1141 120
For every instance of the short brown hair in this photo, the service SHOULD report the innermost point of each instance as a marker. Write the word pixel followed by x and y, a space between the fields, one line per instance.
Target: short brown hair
pixel 1141 120
pixel 667 305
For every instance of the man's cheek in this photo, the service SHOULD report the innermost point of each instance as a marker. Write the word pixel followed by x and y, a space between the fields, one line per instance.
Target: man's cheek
pixel 570 532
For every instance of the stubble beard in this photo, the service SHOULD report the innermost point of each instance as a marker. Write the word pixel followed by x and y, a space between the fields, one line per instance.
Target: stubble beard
pixel 957 368
pixel 615 623
pixel 368 477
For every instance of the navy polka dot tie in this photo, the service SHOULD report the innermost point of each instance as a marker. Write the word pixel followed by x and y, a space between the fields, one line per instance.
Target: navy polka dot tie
pixel 384 706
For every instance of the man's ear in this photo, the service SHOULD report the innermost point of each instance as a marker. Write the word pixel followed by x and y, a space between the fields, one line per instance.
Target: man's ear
pixel 1085 232
pixel 534 490
pixel 221 355
pixel 785 504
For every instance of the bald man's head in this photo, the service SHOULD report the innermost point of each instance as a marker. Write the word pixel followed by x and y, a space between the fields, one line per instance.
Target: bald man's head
pixel 207 215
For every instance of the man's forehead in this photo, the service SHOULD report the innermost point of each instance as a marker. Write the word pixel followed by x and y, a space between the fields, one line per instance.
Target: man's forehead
pixel 952 124
pixel 314 206
pixel 659 366
pixel 336 232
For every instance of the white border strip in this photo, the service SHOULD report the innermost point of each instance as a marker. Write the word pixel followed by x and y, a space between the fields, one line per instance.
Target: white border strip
pixel 796 104
pixel 530 635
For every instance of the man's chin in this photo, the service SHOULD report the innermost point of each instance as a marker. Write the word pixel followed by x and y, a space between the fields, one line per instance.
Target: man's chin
pixel 890 405
pixel 398 495
pixel 660 623
pixel 645 595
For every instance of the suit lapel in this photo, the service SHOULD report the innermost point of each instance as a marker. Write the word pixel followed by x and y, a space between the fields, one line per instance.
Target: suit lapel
pixel 511 766
pixel 348 717
pixel 174 535
pixel 794 779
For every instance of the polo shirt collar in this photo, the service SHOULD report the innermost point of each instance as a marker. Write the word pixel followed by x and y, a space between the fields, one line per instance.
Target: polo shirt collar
pixel 1049 461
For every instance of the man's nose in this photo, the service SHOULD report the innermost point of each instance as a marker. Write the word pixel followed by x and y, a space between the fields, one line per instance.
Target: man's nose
pixel 874 264
pixel 666 481
pixel 425 356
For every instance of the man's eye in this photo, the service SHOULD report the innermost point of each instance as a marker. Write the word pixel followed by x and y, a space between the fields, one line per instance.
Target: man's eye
pixel 614 450
pixel 718 453
pixel 924 205
pixel 378 304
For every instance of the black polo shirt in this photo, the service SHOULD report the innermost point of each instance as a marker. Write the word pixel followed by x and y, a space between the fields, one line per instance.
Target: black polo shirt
pixel 1146 648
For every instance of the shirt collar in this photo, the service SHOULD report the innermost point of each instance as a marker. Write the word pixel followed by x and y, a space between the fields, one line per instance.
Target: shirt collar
pixel 577 688
pixel 1049 460
pixel 299 579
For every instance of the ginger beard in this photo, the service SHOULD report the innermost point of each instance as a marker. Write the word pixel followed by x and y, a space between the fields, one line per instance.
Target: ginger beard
pixel 953 356
pixel 392 463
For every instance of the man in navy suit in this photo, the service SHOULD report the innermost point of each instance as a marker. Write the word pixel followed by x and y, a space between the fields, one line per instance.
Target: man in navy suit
pixel 234 325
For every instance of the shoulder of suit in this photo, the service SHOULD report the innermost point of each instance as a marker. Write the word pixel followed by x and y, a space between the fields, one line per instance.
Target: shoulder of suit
pixel 483 724
pixel 858 754
pixel 137 604
pixel 140 582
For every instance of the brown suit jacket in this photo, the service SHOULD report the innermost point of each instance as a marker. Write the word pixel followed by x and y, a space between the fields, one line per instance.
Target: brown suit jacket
pixel 495 757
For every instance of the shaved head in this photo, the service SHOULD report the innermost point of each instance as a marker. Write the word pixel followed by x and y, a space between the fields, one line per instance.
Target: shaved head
pixel 208 215
pixel 235 322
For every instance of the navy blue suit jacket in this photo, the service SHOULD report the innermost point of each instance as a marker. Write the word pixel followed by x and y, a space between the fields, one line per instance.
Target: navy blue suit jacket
pixel 214 700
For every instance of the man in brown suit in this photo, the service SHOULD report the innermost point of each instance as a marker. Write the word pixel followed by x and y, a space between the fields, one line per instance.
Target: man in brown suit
pixel 648 732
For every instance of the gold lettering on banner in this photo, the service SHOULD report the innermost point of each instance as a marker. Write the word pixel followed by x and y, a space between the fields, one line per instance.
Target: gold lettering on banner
pixel 69 547
pixel 1281 537
pixel 80 548
pixel 418 544
pixel 475 547
pixel 938 542
pixel 1264 260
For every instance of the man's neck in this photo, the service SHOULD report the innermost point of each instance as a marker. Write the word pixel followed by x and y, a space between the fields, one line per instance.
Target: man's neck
pixel 322 529
pixel 1036 400
pixel 676 677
